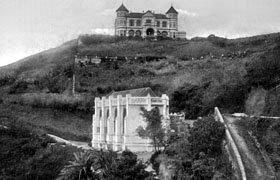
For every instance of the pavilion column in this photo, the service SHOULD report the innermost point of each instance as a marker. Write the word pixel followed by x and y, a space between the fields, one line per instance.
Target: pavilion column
pixel 149 108
pixel 125 121
pixel 110 124
pixel 102 124
pixel 118 125
pixel 93 130
pixel 96 124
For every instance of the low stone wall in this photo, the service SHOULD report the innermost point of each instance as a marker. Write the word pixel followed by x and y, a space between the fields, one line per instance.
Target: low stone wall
pixel 232 149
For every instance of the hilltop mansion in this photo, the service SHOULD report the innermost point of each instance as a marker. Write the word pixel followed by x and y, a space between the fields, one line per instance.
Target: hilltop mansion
pixel 147 24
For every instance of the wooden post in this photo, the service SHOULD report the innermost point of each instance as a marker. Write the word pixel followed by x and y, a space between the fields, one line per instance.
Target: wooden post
pixel 73 85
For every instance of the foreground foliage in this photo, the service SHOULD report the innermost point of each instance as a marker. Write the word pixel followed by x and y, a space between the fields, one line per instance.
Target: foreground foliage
pixel 105 165
pixel 26 155
pixel 200 155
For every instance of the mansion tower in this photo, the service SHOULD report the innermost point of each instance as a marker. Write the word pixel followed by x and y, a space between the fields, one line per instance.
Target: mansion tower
pixel 147 24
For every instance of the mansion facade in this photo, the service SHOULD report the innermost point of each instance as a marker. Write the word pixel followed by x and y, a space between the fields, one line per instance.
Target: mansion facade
pixel 118 115
pixel 147 24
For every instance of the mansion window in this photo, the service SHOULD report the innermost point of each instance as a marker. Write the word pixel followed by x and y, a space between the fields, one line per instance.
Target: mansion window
pixel 138 23
pixel 158 23
pixel 131 22
pixel 164 24
pixel 148 21
pixel 122 22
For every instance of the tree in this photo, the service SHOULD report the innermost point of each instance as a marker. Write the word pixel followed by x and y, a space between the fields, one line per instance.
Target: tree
pixel 80 168
pixel 207 136
pixel 105 165
pixel 154 129
pixel 188 98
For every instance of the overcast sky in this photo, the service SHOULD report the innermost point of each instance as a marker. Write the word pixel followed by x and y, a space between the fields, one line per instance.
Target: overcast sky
pixel 30 26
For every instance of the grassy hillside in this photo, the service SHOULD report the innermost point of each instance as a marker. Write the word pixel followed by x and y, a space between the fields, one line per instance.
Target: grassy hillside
pixel 197 74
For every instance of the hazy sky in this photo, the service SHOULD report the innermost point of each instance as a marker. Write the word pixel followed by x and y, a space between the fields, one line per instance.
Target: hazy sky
pixel 30 26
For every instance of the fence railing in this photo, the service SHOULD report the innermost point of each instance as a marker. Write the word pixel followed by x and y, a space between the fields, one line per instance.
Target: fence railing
pixel 232 147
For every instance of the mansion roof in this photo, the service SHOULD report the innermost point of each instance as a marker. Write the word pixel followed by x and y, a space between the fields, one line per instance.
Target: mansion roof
pixel 172 10
pixel 122 8
pixel 139 15
pixel 141 92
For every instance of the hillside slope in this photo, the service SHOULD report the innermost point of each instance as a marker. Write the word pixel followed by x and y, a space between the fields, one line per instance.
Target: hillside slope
pixel 109 46
pixel 197 74
pixel 41 63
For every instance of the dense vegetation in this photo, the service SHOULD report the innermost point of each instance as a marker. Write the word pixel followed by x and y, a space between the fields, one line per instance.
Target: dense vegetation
pixel 267 132
pixel 105 165
pixel 26 155
pixel 199 155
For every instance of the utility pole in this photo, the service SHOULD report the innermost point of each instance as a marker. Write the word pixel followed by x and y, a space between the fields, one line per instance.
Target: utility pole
pixel 74 67
pixel 74 82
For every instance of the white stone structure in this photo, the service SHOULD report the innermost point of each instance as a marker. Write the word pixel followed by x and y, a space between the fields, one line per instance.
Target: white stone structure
pixel 118 115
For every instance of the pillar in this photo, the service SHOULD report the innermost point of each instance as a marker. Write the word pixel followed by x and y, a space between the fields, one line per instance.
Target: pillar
pixel 96 120
pixel 125 121
pixel 102 124
pixel 93 131
pixel 110 125
pixel 117 145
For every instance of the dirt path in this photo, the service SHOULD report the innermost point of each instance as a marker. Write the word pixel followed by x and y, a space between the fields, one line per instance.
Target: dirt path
pixel 82 145
pixel 255 165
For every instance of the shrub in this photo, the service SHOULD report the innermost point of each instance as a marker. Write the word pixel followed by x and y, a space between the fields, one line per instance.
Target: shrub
pixel 188 98
pixel 18 87
pixel 145 72
pixel 56 81
pixel 7 80
pixel 155 161
pixel 207 136
pixel 102 165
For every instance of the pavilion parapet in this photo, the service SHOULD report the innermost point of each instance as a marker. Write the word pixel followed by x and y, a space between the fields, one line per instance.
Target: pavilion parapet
pixel 133 101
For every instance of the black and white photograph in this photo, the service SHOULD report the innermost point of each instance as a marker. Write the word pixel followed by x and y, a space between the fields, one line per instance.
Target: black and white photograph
pixel 140 90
